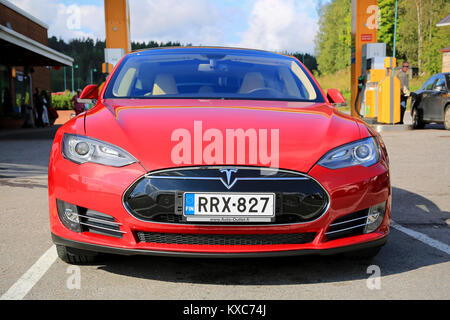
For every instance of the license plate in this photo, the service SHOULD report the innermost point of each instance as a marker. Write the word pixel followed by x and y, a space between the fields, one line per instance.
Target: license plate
pixel 229 207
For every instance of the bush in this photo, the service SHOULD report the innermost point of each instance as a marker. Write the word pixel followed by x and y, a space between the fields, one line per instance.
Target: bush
pixel 62 100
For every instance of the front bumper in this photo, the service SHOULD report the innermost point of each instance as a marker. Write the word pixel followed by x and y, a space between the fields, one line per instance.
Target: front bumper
pixel 101 188
pixel 128 252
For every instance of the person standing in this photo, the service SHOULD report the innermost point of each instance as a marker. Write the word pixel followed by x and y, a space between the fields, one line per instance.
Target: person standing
pixel 52 113
pixel 39 105
pixel 45 101
pixel 403 76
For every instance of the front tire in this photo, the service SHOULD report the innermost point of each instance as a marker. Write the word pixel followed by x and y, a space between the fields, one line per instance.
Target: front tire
pixel 75 256
pixel 417 122
pixel 447 117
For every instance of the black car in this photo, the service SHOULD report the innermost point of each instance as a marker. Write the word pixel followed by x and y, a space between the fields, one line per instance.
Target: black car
pixel 431 103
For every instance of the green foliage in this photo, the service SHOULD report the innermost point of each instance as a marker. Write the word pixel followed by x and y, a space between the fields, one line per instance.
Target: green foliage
pixel 339 80
pixel 333 40
pixel 418 38
pixel 308 60
pixel 62 101
pixel 387 24
pixel 89 55
pixel 435 38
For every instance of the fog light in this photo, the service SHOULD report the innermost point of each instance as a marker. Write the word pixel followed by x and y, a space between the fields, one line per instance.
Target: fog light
pixel 69 215
pixel 375 217
pixel 72 216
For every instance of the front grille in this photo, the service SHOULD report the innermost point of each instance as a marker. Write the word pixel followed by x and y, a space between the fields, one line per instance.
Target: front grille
pixel 225 239
pixel 349 225
pixel 158 196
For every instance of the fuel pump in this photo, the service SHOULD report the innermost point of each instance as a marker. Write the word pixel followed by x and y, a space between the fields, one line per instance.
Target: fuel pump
pixel 375 90
pixel 378 96
pixel 389 94
pixel 375 73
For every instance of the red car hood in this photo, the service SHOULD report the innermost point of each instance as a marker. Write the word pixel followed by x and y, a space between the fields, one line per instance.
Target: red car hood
pixel 153 131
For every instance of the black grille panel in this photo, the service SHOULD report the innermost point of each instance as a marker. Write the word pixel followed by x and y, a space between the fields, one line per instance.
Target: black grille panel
pixel 158 196
pixel 226 239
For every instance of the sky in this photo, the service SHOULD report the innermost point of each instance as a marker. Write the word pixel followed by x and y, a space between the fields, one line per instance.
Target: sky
pixel 276 25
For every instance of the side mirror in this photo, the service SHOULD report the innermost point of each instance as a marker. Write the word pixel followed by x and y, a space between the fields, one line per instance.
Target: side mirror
pixel 336 98
pixel 89 94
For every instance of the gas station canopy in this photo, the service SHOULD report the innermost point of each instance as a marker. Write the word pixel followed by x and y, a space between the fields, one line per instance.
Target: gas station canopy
pixel 19 50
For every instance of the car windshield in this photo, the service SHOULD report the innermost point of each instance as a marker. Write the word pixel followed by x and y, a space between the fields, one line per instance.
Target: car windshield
pixel 211 75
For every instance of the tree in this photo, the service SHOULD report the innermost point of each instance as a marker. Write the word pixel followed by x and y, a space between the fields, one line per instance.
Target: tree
pixel 418 38
pixel 387 24
pixel 88 56
pixel 333 40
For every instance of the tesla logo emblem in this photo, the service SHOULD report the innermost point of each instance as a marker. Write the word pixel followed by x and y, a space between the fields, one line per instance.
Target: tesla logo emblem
pixel 229 182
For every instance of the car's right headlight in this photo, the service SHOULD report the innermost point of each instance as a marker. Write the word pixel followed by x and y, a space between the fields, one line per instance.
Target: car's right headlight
pixel 365 152
pixel 81 149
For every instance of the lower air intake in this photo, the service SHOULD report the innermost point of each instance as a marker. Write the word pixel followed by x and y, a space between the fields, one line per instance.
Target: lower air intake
pixel 349 225
pixel 226 239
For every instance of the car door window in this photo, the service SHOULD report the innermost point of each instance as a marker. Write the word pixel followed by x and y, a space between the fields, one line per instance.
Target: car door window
pixel 429 84
pixel 440 83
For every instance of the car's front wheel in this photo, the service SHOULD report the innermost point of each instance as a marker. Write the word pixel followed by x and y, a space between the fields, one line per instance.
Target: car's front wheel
pixel 75 256
pixel 417 122
pixel 447 117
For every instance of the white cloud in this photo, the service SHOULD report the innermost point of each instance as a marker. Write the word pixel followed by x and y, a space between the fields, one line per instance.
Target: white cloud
pixel 193 21
pixel 281 25
pixel 276 25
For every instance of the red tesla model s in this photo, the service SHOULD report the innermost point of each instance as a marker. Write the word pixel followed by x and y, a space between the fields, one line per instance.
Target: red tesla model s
pixel 216 152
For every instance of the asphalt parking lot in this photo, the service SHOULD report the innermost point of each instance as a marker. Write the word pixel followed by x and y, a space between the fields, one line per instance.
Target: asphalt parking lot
pixel 414 264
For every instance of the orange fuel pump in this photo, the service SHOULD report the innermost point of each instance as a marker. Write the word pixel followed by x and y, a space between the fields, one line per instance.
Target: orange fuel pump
pixel 375 90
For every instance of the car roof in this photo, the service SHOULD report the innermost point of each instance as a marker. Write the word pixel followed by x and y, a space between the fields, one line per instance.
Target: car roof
pixel 208 50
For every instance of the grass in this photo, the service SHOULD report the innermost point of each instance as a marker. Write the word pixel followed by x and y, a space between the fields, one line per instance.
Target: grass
pixel 341 81
pixel 416 82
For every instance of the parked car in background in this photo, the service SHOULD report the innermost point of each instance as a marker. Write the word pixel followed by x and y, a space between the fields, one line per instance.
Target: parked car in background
pixel 431 103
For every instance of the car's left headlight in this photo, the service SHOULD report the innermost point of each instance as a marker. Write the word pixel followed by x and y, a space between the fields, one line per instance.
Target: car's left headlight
pixel 81 149
pixel 364 152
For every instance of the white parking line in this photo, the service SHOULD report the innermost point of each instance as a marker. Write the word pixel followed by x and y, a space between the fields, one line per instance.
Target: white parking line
pixel 22 286
pixel 422 237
